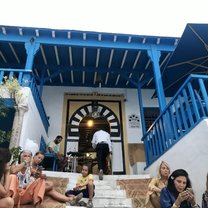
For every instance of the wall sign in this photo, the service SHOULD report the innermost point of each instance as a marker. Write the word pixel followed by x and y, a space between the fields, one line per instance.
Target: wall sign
pixel 134 121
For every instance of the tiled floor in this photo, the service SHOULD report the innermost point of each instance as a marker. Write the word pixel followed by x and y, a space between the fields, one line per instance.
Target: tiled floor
pixel 135 189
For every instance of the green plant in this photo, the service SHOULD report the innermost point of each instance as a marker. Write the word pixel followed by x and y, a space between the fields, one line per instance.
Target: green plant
pixel 3 113
pixel 9 88
pixel 15 151
pixel 5 136
pixel 3 109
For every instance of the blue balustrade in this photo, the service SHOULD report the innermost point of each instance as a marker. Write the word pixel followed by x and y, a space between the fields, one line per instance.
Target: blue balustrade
pixel 20 75
pixel 185 110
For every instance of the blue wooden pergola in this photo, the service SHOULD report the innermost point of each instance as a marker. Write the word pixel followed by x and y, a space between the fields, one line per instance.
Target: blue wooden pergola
pixel 86 59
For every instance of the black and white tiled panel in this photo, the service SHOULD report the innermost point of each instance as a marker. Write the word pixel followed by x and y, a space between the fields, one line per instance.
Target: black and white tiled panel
pixel 85 110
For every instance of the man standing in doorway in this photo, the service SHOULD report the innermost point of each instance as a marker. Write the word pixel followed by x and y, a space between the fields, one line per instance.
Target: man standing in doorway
pixel 54 147
pixel 102 143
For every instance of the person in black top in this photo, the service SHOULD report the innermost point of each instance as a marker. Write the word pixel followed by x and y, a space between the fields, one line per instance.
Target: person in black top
pixel 178 193
pixel 205 196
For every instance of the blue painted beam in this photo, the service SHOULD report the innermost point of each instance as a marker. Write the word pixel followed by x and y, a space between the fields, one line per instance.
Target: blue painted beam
pixel 87 43
pixel 129 79
pixel 15 70
pixel 61 69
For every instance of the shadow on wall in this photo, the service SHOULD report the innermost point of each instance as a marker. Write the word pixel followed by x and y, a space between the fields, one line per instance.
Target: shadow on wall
pixel 136 153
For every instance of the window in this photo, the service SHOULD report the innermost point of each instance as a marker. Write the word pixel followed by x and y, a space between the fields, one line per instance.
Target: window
pixel 150 115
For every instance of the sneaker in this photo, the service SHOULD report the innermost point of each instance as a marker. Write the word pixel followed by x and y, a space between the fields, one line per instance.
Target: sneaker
pixel 82 204
pixel 101 174
pixel 89 204
pixel 76 199
pixel 79 197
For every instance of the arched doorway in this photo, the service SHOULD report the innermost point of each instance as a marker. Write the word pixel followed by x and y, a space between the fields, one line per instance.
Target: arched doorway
pixel 83 113
pixel 87 127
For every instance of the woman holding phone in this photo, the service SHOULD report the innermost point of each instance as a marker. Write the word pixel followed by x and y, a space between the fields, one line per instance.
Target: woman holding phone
pixel 178 193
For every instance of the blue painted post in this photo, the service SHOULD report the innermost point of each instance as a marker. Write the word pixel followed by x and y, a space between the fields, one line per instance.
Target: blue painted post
pixel 204 93
pixel 41 83
pixel 155 57
pixel 195 108
pixel 31 48
pixel 141 110
pixel 157 132
pixel 182 111
pixel 188 108
pixel 1 76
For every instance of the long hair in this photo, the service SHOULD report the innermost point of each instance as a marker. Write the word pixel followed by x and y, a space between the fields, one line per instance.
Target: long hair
pixel 159 167
pixel 173 176
pixel 5 157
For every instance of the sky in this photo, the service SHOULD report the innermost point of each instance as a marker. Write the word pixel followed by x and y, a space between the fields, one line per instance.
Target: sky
pixel 140 17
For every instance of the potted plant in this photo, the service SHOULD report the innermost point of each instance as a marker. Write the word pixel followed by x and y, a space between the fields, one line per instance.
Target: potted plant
pixel 9 92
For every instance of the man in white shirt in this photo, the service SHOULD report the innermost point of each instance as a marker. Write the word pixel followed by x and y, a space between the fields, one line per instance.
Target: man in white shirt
pixel 102 143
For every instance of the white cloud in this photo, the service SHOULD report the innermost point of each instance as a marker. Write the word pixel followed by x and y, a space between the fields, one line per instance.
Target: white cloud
pixel 142 17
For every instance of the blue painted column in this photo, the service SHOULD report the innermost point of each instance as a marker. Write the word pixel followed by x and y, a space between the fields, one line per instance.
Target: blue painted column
pixel 31 48
pixel 41 83
pixel 155 57
pixel 141 109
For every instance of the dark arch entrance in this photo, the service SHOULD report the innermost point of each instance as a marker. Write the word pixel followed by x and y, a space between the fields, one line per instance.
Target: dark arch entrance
pixel 86 132
pixel 87 127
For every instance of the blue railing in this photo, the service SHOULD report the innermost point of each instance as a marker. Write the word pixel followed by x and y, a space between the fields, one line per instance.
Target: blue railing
pixel 185 110
pixel 20 75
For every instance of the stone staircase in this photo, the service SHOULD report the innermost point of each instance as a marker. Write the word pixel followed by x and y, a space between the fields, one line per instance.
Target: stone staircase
pixel 113 191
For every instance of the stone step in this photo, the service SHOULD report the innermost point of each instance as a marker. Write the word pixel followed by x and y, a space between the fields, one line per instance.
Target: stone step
pixel 106 177
pixel 109 203
pixel 113 190
pixel 110 193
pixel 71 185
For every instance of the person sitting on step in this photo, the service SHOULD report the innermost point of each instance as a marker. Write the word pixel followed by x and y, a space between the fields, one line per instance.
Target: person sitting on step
pixel 5 180
pixel 156 184
pixel 54 147
pixel 84 185
pixel 205 196
pixel 26 189
pixel 36 172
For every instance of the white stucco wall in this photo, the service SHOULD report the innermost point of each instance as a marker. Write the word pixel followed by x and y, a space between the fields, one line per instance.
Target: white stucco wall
pixel 32 127
pixel 53 98
pixel 190 153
